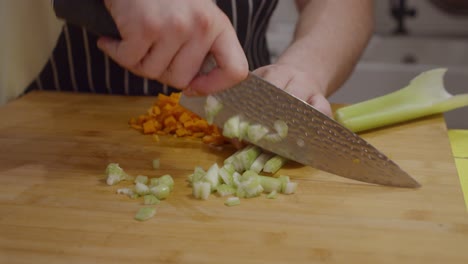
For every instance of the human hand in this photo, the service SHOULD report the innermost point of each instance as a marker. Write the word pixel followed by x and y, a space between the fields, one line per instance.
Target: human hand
pixel 167 40
pixel 297 83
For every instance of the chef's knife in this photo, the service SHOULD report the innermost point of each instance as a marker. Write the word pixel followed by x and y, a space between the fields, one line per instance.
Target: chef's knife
pixel 313 138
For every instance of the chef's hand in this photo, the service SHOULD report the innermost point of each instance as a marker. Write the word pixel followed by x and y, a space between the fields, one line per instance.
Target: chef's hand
pixel 297 83
pixel 167 40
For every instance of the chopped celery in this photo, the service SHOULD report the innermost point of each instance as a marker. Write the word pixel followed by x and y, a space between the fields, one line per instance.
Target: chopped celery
pixel 154 181
pixel 141 179
pixel 284 181
pixel 270 184
pixel 248 157
pixel 126 191
pixel 161 191
pixel 243 128
pixel 281 128
pixel 232 201
pixel 272 195
pixel 141 188
pixel 290 188
pixel 260 161
pixel 226 173
pixel 274 138
pixel 224 190
pixel 212 108
pixel 249 185
pixel 236 177
pixel 425 95
pixel 115 174
pixel 212 176
pixel 230 159
pixel 231 127
pixel 156 164
pixel 256 132
pixel 274 164
pixel 201 190
pixel 145 213
pixel 198 175
pixel 166 180
pixel 237 161
pixel 150 199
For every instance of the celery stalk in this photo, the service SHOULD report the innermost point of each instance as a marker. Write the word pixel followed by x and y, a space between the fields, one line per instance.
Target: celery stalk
pixel 248 157
pixel 224 190
pixel 270 184
pixel 231 127
pixel 226 173
pixel 424 95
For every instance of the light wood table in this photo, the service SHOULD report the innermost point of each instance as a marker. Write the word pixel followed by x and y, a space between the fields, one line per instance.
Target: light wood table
pixel 56 208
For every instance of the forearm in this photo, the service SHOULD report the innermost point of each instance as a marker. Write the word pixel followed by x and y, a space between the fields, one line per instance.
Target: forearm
pixel 329 40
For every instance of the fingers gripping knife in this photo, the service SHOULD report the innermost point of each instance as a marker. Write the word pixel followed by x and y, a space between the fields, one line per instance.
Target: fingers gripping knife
pixel 313 138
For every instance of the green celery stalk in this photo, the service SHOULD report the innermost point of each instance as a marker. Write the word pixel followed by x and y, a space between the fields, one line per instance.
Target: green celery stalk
pixel 425 95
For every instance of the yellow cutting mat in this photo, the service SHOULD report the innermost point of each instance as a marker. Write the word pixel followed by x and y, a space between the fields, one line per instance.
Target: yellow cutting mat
pixel 459 142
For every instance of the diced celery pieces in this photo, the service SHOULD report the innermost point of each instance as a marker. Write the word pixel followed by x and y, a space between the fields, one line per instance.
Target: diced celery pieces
pixel 145 213
pixel 270 184
pixel 260 161
pixel 125 191
pixel 167 180
pixel 236 177
pixel 212 108
pixel 274 164
pixel 273 138
pixel 201 190
pixel 115 174
pixel 141 188
pixel 150 199
pixel 153 181
pixel 230 159
pixel 272 195
pixel 225 190
pixel 256 132
pixel 243 129
pixel 156 164
pixel 231 127
pixel 232 201
pixel 141 179
pixel 281 128
pixel 284 181
pixel 290 188
pixel 161 191
pixel 226 172
pixel 424 95
pixel 212 176
pixel 248 157
pixel 198 175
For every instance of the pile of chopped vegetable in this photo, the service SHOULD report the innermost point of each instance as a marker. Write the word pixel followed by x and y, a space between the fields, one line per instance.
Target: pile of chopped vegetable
pixel 153 190
pixel 167 117
pixel 239 177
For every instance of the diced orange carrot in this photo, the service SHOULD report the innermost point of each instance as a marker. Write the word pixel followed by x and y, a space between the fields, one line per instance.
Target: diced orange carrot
pixel 148 127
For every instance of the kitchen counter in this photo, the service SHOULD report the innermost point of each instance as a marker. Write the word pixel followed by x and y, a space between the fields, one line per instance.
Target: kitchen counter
pixel 56 208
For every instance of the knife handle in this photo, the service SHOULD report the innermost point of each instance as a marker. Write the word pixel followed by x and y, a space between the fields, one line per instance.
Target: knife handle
pixel 94 16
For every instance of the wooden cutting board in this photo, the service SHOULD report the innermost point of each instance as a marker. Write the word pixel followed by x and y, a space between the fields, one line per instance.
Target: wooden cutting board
pixel 56 208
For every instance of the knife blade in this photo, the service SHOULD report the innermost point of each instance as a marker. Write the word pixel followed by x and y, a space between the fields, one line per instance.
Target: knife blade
pixel 313 138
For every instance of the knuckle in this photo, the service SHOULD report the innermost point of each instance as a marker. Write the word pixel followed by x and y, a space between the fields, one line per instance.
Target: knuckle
pixel 203 21
pixel 179 25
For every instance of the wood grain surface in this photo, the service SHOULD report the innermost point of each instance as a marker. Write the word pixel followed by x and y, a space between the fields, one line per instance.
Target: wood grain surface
pixel 56 208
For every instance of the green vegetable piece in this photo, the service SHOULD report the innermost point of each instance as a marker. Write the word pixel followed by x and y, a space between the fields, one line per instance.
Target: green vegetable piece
pixel 153 182
pixel 226 173
pixel 141 188
pixel 256 132
pixel 197 175
pixel 232 201
pixel 248 157
pixel 260 161
pixel 270 184
pixel 230 159
pixel 231 127
pixel 272 195
pixel 115 174
pixel 167 180
pixel 225 190
pixel 212 108
pixel 156 164
pixel 125 191
pixel 212 176
pixel 274 164
pixel 201 190
pixel 243 129
pixel 284 181
pixel 281 128
pixel 150 199
pixel 161 191
pixel 290 188
pixel 141 179
pixel 145 213
pixel 425 95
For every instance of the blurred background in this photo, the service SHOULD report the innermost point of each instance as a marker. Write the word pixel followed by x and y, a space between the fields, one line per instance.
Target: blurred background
pixel 411 36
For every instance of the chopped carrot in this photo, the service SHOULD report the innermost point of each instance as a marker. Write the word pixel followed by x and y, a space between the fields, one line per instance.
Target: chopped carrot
pixel 167 117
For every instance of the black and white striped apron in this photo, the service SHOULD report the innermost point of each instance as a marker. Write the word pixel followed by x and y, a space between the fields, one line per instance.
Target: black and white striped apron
pixel 77 65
